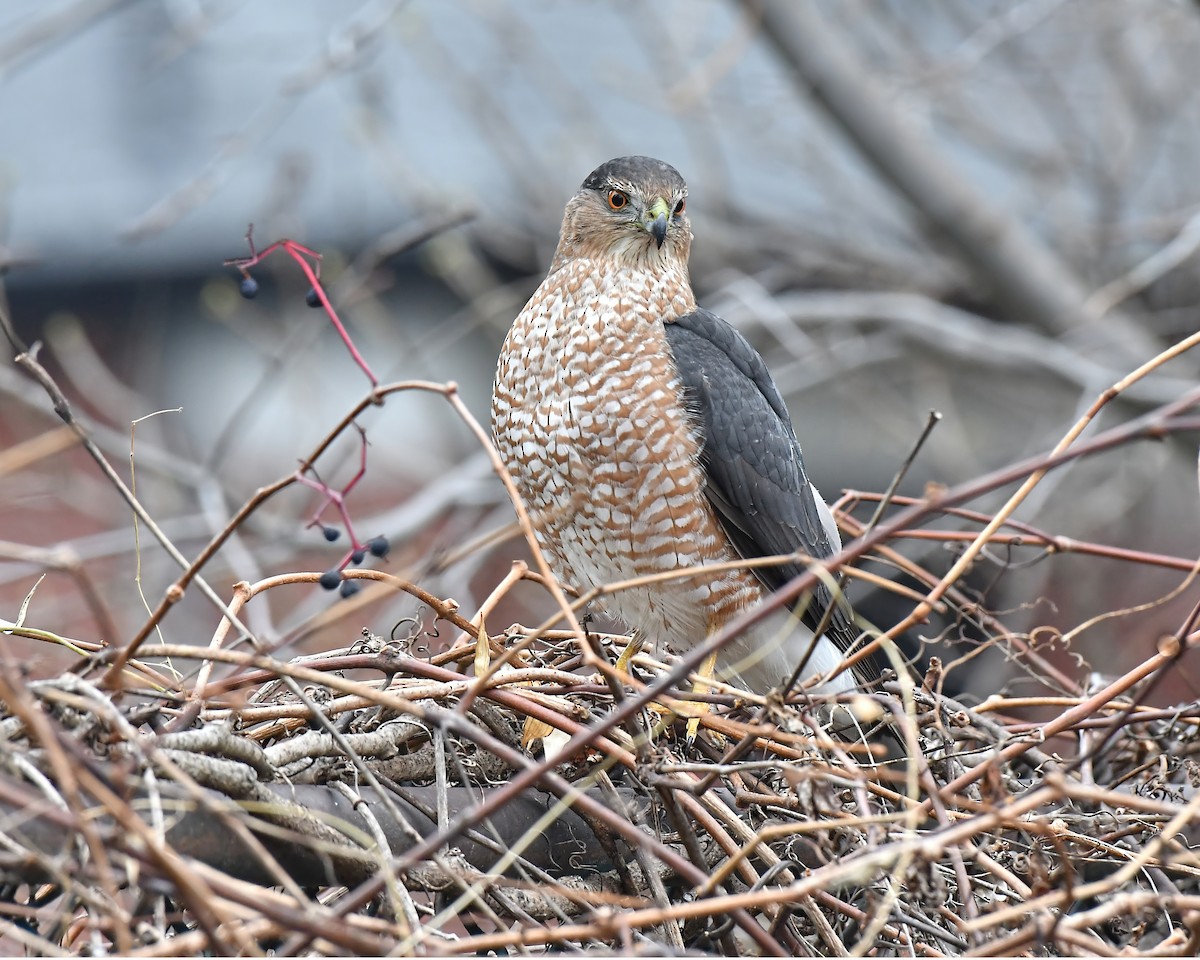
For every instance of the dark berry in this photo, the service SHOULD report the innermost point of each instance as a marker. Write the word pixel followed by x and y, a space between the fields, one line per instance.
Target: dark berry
pixel 378 546
pixel 349 588
pixel 312 298
pixel 249 288
pixel 331 533
pixel 357 556
pixel 330 579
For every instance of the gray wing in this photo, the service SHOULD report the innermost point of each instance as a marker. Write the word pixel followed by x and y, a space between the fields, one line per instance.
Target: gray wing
pixel 751 458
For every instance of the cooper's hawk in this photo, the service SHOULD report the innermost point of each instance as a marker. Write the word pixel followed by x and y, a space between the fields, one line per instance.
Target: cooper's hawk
pixel 646 435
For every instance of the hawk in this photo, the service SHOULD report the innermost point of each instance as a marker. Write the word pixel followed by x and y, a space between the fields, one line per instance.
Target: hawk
pixel 645 435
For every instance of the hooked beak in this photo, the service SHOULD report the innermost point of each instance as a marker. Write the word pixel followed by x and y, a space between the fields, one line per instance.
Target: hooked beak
pixel 656 221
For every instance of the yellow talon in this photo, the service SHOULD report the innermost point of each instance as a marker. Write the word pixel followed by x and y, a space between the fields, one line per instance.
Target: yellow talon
pixel 707 669
pixel 632 649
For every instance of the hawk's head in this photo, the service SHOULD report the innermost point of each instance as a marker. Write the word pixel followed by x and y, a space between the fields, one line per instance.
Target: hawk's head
pixel 631 211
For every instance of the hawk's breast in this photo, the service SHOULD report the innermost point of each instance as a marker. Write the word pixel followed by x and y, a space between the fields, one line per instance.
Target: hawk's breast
pixel 588 417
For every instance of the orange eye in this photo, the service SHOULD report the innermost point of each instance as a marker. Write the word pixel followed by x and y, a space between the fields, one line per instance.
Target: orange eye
pixel 680 206
pixel 616 199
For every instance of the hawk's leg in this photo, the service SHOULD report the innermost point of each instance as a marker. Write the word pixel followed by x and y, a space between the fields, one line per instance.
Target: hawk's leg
pixel 705 674
pixel 632 649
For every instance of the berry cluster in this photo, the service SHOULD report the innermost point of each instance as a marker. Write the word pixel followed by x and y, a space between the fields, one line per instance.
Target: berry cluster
pixel 310 262
pixel 248 288
pixel 377 546
pixel 331 579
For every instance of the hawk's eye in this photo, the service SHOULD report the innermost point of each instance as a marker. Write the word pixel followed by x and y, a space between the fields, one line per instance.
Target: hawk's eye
pixel 616 199
pixel 680 206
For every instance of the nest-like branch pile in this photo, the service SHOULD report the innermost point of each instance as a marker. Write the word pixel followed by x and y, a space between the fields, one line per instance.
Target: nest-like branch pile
pixel 370 801
pixel 531 791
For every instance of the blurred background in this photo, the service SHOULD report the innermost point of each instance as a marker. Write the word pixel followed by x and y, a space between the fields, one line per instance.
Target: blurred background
pixel 990 209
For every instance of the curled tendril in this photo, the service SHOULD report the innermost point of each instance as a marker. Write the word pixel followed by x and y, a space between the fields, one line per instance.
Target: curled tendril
pixel 404 642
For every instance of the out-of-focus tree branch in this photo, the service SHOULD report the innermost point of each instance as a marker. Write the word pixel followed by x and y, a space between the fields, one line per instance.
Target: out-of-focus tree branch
pixel 1026 279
